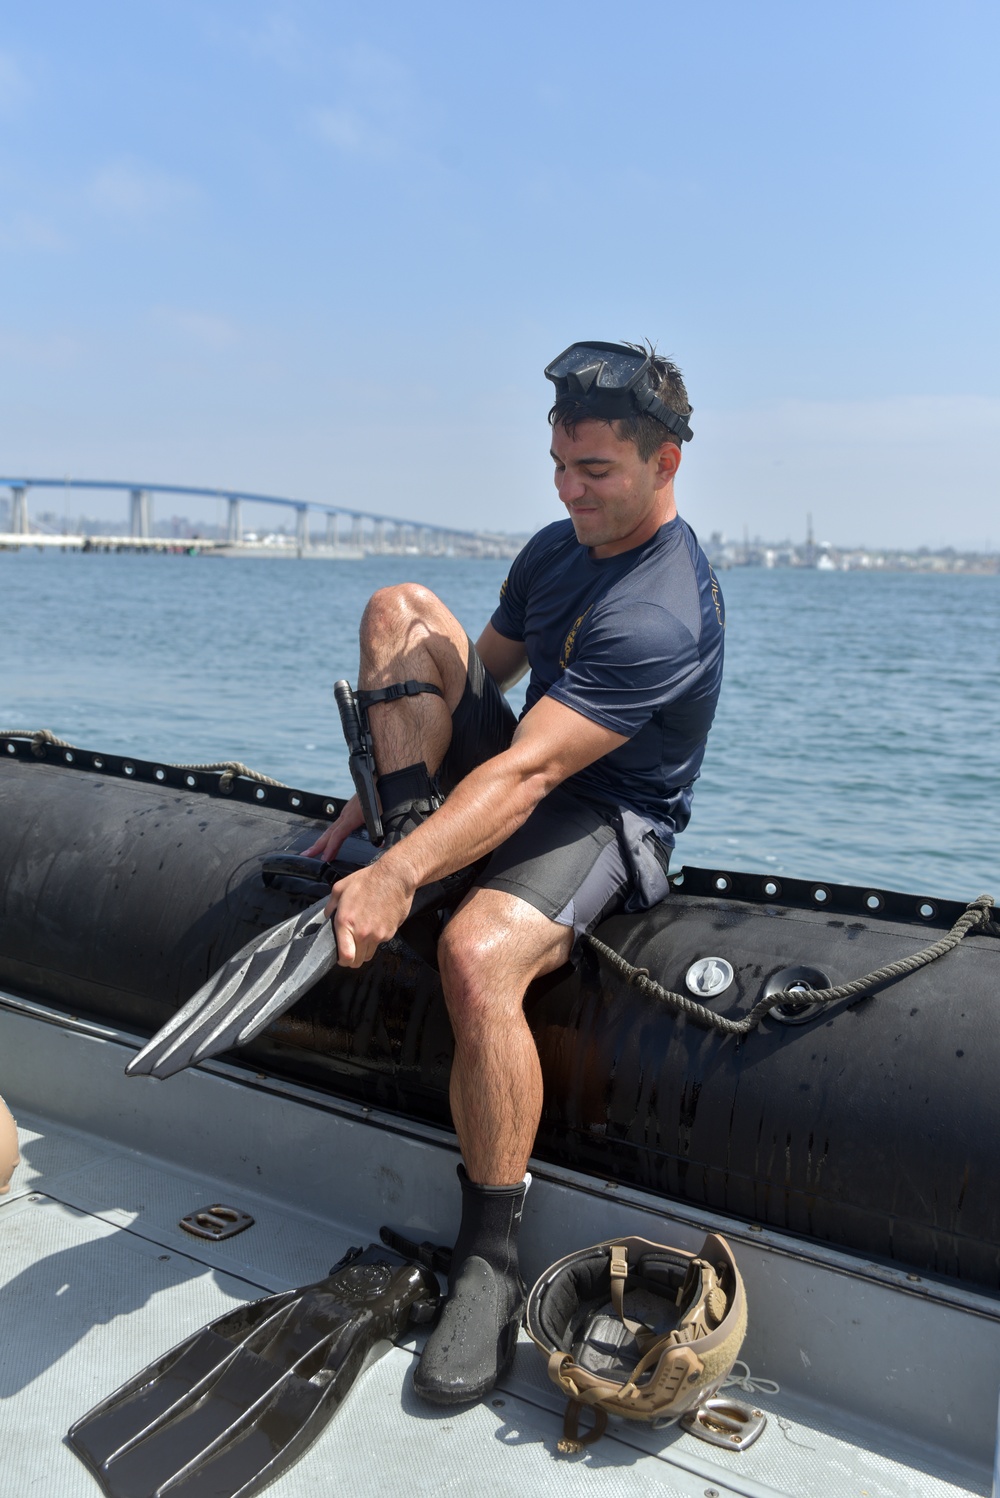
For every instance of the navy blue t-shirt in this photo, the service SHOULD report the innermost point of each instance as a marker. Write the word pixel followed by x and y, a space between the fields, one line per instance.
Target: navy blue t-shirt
pixel 634 642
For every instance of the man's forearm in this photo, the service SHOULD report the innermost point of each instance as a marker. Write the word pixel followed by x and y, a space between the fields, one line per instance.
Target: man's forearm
pixel 482 811
pixel 551 742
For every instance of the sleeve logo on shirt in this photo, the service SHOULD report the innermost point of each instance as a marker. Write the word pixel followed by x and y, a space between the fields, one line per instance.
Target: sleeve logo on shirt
pixel 570 640
pixel 717 598
pixel 503 587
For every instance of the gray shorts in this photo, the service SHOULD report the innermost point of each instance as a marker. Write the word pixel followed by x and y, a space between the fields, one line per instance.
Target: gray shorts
pixel 575 861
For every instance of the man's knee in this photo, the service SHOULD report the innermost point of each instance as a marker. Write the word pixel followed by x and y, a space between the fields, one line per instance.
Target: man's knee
pixel 486 963
pixel 491 950
pixel 396 607
pixel 408 621
pixel 468 955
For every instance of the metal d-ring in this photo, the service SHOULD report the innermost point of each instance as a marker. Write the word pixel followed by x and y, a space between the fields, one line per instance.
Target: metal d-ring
pixel 725 1422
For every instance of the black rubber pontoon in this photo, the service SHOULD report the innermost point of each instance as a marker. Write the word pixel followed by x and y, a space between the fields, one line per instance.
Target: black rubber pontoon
pixel 872 1126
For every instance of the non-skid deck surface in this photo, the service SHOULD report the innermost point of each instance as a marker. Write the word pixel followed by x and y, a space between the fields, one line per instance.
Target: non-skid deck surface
pixel 97 1279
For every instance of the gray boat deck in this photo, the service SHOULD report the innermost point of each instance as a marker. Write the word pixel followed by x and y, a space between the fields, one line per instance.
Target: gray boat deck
pixel 888 1384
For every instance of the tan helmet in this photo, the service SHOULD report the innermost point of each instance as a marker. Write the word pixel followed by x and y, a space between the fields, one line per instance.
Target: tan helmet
pixel 639 1329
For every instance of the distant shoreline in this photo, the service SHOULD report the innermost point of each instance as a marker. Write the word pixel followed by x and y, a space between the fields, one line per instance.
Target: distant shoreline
pixel 757 557
pixel 12 541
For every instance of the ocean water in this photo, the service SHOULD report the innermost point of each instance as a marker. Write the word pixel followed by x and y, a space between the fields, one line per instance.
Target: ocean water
pixel 858 737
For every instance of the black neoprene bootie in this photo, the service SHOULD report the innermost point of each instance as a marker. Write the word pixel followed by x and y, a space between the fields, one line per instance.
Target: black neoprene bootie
pixel 408 797
pixel 473 1344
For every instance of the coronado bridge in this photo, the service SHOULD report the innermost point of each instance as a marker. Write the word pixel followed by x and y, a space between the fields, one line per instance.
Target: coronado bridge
pixel 348 531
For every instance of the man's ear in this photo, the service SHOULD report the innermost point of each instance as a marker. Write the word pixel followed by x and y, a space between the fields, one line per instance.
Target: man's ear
pixel 668 460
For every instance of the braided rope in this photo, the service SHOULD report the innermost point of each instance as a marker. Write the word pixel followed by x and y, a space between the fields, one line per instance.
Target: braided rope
pixel 231 768
pixel 39 736
pixel 976 917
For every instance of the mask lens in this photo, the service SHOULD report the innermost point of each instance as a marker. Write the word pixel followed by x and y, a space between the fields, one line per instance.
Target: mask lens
pixel 610 368
pixel 619 371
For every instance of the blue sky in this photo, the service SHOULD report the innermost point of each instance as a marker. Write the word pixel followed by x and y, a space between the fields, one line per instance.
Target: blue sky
pixel 325 250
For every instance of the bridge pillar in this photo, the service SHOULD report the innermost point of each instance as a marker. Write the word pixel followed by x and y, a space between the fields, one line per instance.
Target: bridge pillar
pixel 355 530
pixel 331 530
pixel 234 521
pixel 379 546
pixel 140 515
pixel 19 511
pixel 301 529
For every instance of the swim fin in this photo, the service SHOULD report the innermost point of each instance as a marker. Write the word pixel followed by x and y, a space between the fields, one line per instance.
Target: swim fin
pixel 229 1409
pixel 250 990
pixel 265 979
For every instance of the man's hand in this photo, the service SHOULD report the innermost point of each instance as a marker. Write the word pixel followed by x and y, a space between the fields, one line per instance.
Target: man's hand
pixel 328 844
pixel 368 908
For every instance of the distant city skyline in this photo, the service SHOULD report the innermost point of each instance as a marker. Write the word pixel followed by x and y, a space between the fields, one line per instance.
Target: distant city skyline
pixel 109 511
pixel 326 251
pixel 747 548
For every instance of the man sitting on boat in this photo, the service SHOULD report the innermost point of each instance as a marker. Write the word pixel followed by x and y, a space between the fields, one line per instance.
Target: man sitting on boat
pixel 618 616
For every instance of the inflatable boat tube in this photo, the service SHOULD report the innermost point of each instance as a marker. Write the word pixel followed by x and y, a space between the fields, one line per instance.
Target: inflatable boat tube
pixel 871 1124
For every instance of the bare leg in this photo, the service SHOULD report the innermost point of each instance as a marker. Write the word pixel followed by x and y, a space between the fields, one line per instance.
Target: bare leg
pixel 407 634
pixel 495 944
pixel 489 953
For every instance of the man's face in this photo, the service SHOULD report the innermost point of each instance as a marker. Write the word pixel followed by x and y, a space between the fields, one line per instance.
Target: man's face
pixel 614 499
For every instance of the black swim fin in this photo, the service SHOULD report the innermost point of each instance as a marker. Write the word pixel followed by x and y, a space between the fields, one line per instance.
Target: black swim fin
pixel 250 990
pixel 226 1411
pixel 262 981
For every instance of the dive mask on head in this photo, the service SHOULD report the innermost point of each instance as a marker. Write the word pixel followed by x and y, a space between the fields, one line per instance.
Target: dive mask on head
pixel 613 380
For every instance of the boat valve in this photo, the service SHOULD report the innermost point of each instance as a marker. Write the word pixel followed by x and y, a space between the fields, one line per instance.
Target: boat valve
pixel 708 977
pixel 796 980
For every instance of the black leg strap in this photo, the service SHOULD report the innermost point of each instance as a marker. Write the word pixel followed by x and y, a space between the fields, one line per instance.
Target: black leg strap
pixel 398 689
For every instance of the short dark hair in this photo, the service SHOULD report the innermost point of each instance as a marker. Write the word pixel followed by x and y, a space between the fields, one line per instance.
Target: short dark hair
pixel 646 434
